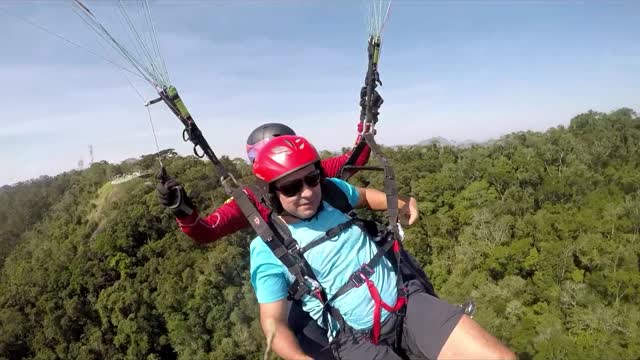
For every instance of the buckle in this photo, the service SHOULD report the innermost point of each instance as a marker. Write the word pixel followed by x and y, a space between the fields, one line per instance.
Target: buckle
pixel 469 308
pixel 295 250
pixel 361 276
pixel 315 289
pixel 400 232
pixel 315 285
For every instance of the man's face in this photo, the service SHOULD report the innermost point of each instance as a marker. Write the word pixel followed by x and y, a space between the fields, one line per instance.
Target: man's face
pixel 299 192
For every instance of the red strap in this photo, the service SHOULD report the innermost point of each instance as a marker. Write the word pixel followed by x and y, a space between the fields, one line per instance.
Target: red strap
pixel 318 293
pixel 396 246
pixel 377 303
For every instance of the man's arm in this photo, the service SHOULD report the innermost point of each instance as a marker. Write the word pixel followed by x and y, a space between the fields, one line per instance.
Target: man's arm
pixel 273 318
pixel 377 200
pixel 223 221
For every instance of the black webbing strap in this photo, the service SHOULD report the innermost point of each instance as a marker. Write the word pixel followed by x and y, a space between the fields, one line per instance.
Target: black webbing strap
pixel 370 102
pixel 191 131
pixel 279 241
pixel 361 275
pixel 389 184
pixel 253 215
pixel 344 174
pixel 329 234
pixel 288 252
pixel 390 189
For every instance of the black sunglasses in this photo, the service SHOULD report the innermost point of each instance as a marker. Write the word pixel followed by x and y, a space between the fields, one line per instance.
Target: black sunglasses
pixel 292 188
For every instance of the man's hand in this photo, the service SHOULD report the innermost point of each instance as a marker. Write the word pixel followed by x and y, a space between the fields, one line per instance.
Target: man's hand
pixel 273 318
pixel 376 99
pixel 172 195
pixel 409 212
pixel 376 102
pixel 377 200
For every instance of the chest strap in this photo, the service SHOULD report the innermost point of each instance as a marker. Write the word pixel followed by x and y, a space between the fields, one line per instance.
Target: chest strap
pixel 328 235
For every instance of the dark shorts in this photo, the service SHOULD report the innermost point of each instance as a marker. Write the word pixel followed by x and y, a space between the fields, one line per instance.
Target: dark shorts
pixel 311 337
pixel 426 327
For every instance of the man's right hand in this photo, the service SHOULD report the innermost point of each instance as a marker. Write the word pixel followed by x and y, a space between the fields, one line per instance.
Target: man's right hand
pixel 172 195
pixel 273 318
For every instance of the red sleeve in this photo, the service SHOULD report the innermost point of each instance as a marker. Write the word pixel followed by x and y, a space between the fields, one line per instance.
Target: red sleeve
pixel 363 159
pixel 333 165
pixel 223 221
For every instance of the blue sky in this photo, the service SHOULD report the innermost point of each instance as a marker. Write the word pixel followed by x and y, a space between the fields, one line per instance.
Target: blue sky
pixel 457 69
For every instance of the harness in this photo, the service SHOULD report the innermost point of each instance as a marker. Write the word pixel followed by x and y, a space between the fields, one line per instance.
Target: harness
pixel 305 281
pixel 386 239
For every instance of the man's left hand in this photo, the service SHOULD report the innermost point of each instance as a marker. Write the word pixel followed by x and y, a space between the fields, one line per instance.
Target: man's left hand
pixel 409 212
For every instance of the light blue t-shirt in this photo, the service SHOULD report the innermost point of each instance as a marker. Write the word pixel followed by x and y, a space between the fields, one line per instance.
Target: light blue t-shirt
pixel 332 262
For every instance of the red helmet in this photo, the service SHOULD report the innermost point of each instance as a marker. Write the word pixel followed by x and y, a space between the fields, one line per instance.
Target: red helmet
pixel 282 156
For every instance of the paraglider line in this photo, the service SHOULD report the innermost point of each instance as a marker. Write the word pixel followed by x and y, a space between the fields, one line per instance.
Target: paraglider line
pixel 68 41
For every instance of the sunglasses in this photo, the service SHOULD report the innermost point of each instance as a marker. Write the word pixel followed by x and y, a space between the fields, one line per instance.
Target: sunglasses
pixel 293 188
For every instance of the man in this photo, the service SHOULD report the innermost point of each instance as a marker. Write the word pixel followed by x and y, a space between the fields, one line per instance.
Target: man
pixel 363 322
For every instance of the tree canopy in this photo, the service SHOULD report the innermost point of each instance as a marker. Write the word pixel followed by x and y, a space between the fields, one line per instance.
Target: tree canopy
pixel 540 229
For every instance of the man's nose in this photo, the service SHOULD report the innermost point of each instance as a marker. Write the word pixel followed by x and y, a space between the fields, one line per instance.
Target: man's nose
pixel 307 190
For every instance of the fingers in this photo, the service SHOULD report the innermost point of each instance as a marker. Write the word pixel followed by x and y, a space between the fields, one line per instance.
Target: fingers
pixel 413 211
pixel 167 187
pixel 166 190
pixel 413 216
pixel 162 189
pixel 376 100
pixel 409 212
pixel 171 183
pixel 408 219
pixel 404 219
pixel 162 175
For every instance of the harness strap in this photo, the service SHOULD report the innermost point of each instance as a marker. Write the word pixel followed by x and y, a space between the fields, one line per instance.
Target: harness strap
pixel 359 277
pixel 363 276
pixel 378 303
pixel 331 233
pixel 300 286
pixel 305 283
pixel 285 248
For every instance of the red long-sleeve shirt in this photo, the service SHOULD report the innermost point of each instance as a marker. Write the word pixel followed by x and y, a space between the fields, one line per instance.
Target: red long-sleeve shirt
pixel 228 218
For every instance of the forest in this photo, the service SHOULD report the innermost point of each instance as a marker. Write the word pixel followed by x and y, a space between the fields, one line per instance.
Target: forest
pixel 540 229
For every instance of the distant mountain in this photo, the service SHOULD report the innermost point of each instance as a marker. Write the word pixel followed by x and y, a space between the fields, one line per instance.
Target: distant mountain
pixel 446 142
pixel 436 140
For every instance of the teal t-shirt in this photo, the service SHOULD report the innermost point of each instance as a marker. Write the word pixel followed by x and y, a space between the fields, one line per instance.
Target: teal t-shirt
pixel 333 262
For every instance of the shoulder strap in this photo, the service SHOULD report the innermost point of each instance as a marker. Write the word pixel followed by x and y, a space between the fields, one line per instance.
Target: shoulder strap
pixel 290 254
pixel 332 194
